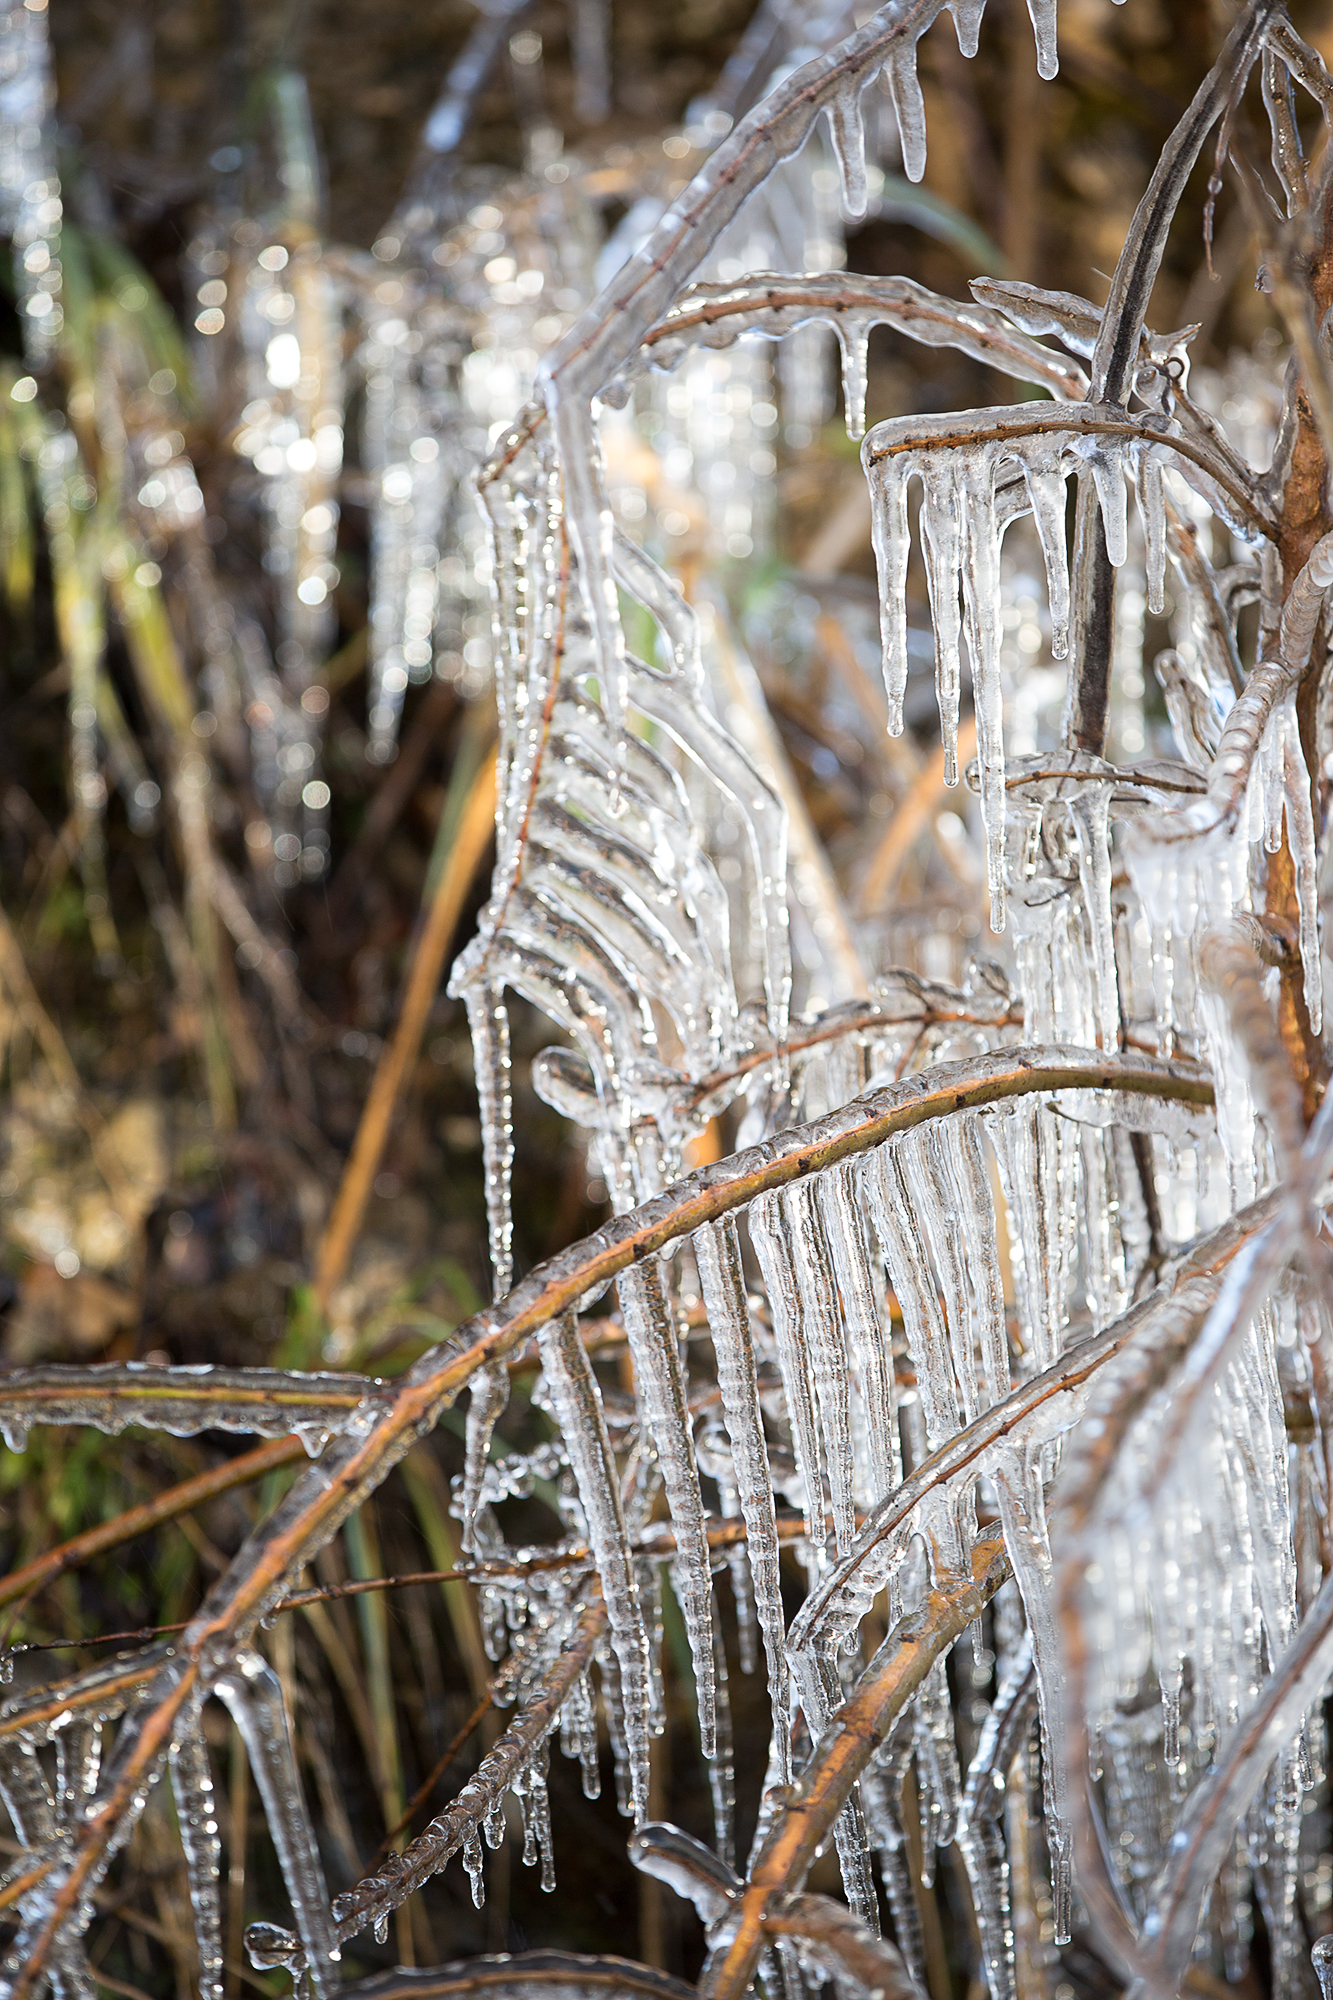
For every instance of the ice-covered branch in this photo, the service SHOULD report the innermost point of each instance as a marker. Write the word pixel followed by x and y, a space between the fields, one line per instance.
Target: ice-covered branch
pixel 854 1734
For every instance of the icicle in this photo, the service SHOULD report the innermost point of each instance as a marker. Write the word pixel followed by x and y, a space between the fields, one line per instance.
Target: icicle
pixel 1091 810
pixel 660 1388
pixel 942 543
pixel 848 133
pixel 1042 13
pixel 889 532
pixel 853 346
pixel 868 1334
pixel 718 1258
pixel 909 107
pixel 1301 836
pixel 1018 1490
pixel 722 1764
pixel 770 1233
pixel 924 1172
pixel 253 1693
pixel 475 1863
pixel 488 1021
pixel 914 1286
pixel 980 1839
pixel 1152 509
pixel 488 1393
pixel 937 1766
pixel 824 1329
pixel 981 600
pixel 578 1406
pixel 1046 491
pixel 196 1815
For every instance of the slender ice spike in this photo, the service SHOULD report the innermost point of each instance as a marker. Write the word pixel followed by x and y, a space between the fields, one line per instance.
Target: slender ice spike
pixel 1301 835
pixel 942 543
pixel 577 1401
pixel 1091 812
pixel 853 346
pixel 980 1839
pixel 253 1693
pixel 848 132
pixel 889 533
pixel 981 598
pixel 1152 509
pixel 718 1257
pixel 660 1385
pixel 488 1021
pixel 1108 477
pixel 196 1815
pixel 1042 16
pixel 967 24
pixel 825 1331
pixel 1046 490
pixel 770 1233
pixel 488 1394
pixel 861 1287
pixel 909 107
pixel 914 1285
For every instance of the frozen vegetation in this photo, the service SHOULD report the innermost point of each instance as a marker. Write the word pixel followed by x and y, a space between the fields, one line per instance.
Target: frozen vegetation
pixel 986 1339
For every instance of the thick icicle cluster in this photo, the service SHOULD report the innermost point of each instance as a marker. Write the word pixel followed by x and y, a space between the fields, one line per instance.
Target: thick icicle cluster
pixel 1038 1252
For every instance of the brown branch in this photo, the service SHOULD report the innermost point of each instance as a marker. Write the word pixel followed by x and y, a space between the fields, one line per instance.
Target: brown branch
pixel 833 1928
pixel 1080 419
pixel 401 1874
pixel 855 1732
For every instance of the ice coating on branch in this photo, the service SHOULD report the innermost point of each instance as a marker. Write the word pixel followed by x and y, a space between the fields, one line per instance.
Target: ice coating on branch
pixel 268 1402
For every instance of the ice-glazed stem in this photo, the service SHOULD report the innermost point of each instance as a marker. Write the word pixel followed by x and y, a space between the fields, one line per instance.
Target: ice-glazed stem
pixel 855 1732
pixel 196 1815
pixel 604 337
pixel 1116 354
pixel 378 1894
pixel 659 1380
pixel 272 1402
pixel 1208 1824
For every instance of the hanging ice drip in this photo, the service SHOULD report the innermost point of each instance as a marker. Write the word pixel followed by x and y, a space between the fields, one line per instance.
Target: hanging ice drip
pixel 30 204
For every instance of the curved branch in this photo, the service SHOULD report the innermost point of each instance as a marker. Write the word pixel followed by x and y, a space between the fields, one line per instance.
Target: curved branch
pixel 1116 353
pixel 952 428
pixel 774 304
pixel 854 1734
